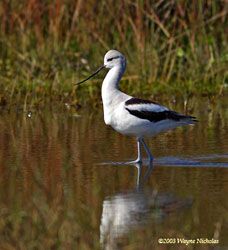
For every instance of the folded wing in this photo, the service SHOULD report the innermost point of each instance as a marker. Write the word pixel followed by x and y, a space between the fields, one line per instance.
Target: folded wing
pixel 154 112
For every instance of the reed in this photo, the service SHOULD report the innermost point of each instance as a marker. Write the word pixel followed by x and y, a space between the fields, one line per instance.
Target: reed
pixel 176 48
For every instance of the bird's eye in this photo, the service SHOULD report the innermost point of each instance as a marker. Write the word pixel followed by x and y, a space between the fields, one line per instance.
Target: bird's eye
pixel 110 59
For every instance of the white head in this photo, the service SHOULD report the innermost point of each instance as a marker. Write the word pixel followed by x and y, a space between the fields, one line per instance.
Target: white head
pixel 114 58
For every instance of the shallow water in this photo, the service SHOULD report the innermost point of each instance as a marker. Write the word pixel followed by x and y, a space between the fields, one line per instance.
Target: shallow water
pixel 62 187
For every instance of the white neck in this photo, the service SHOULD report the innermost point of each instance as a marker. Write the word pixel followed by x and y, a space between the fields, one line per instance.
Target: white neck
pixel 111 95
pixel 111 83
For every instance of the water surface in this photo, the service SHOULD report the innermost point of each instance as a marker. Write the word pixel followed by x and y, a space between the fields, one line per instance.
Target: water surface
pixel 59 188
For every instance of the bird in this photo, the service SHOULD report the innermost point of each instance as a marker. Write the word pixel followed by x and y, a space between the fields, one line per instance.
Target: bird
pixel 133 116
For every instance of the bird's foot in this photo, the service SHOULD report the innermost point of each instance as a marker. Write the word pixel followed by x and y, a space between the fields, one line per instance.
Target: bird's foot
pixel 137 161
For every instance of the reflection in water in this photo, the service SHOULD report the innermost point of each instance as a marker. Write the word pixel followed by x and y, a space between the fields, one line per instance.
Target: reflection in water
pixel 52 191
pixel 127 211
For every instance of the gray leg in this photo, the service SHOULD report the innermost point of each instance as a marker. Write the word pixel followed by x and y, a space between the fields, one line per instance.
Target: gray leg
pixel 139 158
pixel 150 156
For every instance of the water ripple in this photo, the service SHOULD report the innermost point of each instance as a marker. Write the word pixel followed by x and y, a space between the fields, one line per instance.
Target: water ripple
pixel 197 161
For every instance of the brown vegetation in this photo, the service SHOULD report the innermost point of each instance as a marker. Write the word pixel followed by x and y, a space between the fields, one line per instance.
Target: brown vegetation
pixel 173 47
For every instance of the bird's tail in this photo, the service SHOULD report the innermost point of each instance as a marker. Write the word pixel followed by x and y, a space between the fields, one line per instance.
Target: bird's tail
pixel 187 119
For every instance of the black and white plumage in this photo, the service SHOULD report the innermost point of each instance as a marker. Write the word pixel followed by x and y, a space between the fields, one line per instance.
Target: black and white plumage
pixel 134 116
pixel 153 112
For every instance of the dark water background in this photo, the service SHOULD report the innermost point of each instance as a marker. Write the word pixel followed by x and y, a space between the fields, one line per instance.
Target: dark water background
pixel 57 193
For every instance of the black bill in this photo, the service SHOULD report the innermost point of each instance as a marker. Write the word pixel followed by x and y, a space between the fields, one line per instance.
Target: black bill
pixel 97 71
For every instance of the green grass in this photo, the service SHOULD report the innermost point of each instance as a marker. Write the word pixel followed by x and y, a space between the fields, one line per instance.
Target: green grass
pixel 176 48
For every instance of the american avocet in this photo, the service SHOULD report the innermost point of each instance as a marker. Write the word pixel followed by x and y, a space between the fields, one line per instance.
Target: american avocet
pixel 133 116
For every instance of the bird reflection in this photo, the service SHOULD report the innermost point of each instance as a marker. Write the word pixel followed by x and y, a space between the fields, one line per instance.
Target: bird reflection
pixel 127 211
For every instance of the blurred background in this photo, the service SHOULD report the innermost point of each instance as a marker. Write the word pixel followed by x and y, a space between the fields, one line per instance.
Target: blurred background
pixel 54 191
pixel 176 48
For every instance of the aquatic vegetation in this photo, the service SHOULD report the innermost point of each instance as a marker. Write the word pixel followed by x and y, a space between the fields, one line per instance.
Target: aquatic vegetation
pixel 176 48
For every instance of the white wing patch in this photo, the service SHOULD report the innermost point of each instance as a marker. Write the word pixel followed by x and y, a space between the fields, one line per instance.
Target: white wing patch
pixel 150 107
